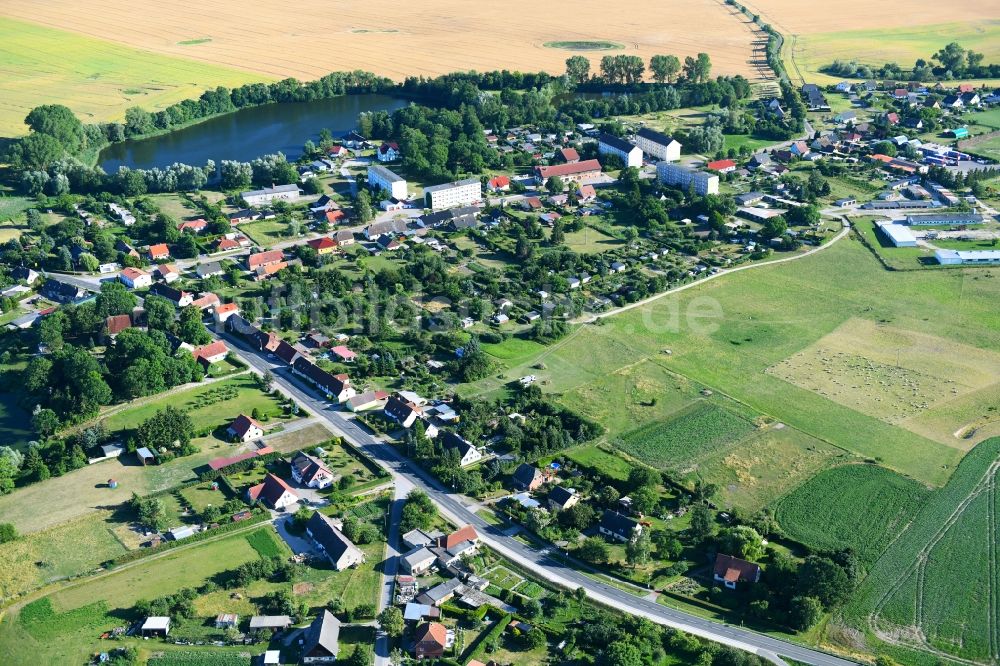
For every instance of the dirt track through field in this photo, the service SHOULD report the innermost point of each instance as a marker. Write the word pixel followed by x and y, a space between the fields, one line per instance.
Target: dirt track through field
pixel 424 38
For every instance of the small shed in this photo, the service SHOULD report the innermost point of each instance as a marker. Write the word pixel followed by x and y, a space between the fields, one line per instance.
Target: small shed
pixel 156 626
pixel 146 456
pixel 272 657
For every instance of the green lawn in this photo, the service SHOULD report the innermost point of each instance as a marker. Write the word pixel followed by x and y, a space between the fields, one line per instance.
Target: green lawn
pixel 97 79
pixel 209 406
pixel 863 507
pixel 11 207
pixel 72 548
pixel 726 333
pixel 589 241
pixel 902 45
pixel 266 232
pixel 596 458
pixel 74 641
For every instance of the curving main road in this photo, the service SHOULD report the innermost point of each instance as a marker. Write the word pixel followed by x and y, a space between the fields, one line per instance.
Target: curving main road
pixel 407 476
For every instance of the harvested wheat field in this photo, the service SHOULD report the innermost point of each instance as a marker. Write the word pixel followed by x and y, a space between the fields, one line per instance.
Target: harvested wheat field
pixel 803 17
pixel 276 40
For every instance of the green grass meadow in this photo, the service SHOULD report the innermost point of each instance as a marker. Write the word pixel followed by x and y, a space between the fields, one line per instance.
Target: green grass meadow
pixel 97 79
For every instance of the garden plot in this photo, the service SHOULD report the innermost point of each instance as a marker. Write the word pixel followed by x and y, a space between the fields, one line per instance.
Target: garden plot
pixel 892 374
pixel 503 578
pixel 696 432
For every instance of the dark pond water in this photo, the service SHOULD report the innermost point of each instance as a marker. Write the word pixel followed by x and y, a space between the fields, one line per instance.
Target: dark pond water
pixel 247 133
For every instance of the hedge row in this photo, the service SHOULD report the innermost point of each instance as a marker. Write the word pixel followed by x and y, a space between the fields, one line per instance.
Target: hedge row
pixel 259 516
pixel 478 647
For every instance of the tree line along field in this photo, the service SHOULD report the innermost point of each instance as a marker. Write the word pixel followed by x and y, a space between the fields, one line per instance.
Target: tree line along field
pixel 937 587
pixel 118 53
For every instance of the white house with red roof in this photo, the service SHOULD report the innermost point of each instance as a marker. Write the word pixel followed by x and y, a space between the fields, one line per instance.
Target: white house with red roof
pixel 211 353
pixel 197 226
pixel 133 278
pixel 722 166
pixel 159 251
pixel 245 428
pixel 224 312
pixel 168 272
pixel 499 184
pixel 273 493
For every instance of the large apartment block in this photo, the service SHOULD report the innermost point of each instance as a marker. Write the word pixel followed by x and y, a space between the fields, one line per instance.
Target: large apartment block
pixel 683 177
pixel 609 144
pixel 460 193
pixel 658 145
pixel 380 178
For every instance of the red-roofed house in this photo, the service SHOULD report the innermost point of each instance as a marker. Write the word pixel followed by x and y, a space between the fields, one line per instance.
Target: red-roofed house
pixel 324 245
pixel 226 244
pixel 197 226
pixel 388 152
pixel 211 353
pixel 168 272
pixel 430 640
pixel 338 151
pixel 586 193
pixel 269 270
pixel 158 251
pixel 274 493
pixel 244 428
pixel 467 533
pixel 568 172
pixel 335 216
pixel 133 278
pixel 892 118
pixel 731 570
pixel 261 259
pixel 343 353
pixel 966 87
pixel 224 312
pixel 206 300
pixel 569 155
pixel 499 184
pixel 722 166
pixel 115 324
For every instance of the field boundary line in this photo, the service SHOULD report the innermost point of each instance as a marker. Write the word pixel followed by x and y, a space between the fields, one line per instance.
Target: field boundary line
pixel 725 271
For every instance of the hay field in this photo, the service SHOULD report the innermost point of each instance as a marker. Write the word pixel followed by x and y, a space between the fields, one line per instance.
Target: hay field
pixel 275 40
pixel 804 17
pixel 898 376
pixel 97 79
pixel 877 32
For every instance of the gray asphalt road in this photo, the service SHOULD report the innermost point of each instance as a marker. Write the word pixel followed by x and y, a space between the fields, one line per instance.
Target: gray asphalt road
pixel 456 507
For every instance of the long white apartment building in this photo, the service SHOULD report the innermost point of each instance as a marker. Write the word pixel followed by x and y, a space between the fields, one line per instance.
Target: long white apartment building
pixel 658 145
pixel 460 193
pixel 683 177
pixel 380 178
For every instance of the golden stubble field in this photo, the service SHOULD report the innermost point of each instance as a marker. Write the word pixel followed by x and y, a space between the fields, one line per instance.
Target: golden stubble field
pixel 803 17
pixel 399 39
